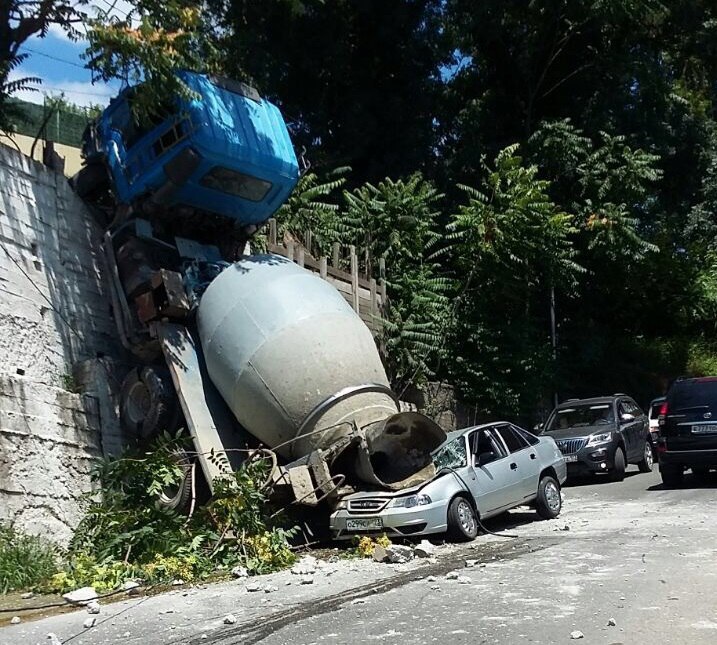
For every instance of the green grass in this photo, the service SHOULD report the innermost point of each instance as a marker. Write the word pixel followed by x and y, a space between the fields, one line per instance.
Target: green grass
pixel 25 560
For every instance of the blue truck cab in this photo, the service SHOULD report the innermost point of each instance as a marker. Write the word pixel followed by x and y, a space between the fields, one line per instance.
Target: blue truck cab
pixel 225 152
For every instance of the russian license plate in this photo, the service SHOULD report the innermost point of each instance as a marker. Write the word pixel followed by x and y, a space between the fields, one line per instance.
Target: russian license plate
pixel 364 524
pixel 704 428
pixel 570 458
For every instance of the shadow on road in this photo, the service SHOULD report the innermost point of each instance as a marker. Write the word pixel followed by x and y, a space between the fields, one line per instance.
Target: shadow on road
pixel 591 480
pixel 702 481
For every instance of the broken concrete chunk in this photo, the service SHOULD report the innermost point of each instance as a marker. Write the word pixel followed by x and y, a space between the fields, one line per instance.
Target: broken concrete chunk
pixel 424 549
pixel 178 582
pixel 463 580
pixel 93 607
pixel 240 572
pixel 576 635
pixel 131 587
pixel 270 589
pixel 15 620
pixel 307 580
pixel 230 619
pixel 611 622
pixel 90 622
pixel 81 596
pixel 452 575
pixel 398 554
pixel 305 566
pixel 380 554
pixel 471 563
pixel 253 586
pixel 27 596
pixel 431 579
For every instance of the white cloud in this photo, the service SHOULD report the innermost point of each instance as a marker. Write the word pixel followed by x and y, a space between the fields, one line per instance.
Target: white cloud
pixel 118 9
pixel 78 92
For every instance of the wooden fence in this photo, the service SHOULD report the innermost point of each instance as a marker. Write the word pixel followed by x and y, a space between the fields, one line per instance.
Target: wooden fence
pixel 365 294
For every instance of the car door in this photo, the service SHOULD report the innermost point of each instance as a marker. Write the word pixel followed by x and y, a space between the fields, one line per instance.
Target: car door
pixel 523 460
pixel 493 484
pixel 629 429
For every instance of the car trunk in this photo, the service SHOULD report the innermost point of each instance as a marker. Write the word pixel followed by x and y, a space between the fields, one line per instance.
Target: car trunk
pixel 691 420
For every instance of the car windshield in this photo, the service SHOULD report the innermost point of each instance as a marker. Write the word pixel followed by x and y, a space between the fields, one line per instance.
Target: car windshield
pixel 581 416
pixel 451 454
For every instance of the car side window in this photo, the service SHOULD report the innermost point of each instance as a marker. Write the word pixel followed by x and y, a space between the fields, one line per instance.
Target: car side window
pixel 530 438
pixel 512 439
pixel 482 441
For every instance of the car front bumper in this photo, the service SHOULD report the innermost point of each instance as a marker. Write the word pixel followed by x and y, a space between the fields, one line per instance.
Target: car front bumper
pixel 398 522
pixel 592 459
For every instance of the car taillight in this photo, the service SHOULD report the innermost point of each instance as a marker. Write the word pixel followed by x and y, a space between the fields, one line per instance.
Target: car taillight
pixel 663 409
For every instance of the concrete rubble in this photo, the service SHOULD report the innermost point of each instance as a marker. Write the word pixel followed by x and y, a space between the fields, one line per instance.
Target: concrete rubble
pixel 93 607
pixel 81 596
pixel 90 622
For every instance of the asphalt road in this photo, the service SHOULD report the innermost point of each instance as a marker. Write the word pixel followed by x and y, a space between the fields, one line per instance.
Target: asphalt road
pixel 634 554
pixel 627 553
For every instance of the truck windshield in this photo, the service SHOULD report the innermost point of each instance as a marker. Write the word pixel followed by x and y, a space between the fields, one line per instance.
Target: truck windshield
pixel 581 415
pixel 451 455
pixel 236 183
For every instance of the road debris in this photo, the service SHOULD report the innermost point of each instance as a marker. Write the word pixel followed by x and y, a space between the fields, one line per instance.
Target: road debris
pixel 80 596
pixel 131 587
pixel 471 563
pixel 424 549
pixel 93 607
pixel 464 580
pixel 15 620
pixel 253 586
pixel 611 622
pixel 305 566
pixel 90 622
pixel 452 575
pixel 307 580
pixel 27 595
pixel 577 634
pixel 230 619
pixel 240 572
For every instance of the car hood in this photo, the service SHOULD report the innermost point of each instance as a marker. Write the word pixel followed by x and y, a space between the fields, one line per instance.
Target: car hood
pixel 387 494
pixel 581 431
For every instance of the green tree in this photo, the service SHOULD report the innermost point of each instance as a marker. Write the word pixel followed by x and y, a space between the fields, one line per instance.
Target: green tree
pixel 19 21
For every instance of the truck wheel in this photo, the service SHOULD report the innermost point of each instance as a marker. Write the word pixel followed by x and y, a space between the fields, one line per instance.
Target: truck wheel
pixel 91 182
pixel 148 403
pixel 178 497
pixel 462 520
pixel 549 502
pixel 618 470
pixel 645 465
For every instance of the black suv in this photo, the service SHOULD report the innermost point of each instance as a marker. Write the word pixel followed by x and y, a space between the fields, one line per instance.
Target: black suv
pixel 688 429
pixel 602 435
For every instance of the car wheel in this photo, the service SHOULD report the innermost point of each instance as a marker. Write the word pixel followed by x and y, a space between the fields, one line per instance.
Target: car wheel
pixel 645 465
pixel 549 502
pixel 672 477
pixel 177 497
pixel 462 520
pixel 148 403
pixel 618 470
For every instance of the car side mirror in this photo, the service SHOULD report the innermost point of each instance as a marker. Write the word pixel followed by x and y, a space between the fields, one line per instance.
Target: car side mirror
pixel 538 427
pixel 485 458
pixel 627 417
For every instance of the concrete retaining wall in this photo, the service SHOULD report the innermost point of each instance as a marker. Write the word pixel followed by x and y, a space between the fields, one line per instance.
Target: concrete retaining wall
pixel 57 342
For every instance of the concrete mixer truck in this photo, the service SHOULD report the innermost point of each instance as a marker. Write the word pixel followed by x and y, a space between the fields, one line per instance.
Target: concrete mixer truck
pixel 240 349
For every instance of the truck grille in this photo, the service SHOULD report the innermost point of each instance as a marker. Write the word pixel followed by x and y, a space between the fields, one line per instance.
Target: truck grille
pixel 571 446
pixel 367 505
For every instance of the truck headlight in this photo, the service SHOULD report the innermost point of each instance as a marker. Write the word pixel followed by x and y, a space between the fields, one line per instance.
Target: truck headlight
pixel 599 438
pixel 342 505
pixel 410 501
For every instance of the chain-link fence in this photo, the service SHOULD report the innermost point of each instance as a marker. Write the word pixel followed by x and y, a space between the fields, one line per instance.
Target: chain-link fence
pixel 53 121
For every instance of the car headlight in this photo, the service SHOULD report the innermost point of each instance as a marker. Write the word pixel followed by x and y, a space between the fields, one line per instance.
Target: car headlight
pixel 410 501
pixel 599 438
pixel 342 505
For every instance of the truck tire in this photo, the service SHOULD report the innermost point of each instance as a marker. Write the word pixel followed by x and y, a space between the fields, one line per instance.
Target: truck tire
pixel 91 182
pixel 178 497
pixel 148 403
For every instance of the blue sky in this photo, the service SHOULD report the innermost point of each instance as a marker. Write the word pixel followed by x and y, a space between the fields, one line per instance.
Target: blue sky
pixel 57 61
